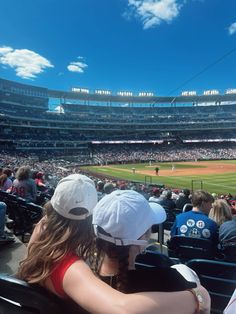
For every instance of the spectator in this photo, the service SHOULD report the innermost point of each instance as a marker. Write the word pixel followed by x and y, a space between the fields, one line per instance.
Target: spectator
pixel 195 223
pixel 220 212
pixel 108 188
pixel 184 199
pixel 227 233
pixel 100 191
pixel 3 179
pixel 122 223
pixel 24 186
pixel 53 262
pixel 39 180
pixel 8 182
pixel 227 240
pixel 4 237
pixel 155 195
pixel 166 200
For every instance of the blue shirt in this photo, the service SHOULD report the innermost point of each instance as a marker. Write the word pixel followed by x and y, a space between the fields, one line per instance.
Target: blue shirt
pixel 195 224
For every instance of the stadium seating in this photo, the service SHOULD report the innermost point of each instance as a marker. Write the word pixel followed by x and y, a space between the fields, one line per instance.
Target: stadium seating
pixel 18 297
pixel 186 248
pixel 3 196
pixel 23 214
pixel 228 252
pixel 170 219
pixel 187 207
pixel 219 278
pixel 153 258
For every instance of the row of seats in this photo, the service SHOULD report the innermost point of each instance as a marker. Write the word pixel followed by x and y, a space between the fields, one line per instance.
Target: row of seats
pixel 23 214
pixel 186 248
pixel 218 277
pixel 18 297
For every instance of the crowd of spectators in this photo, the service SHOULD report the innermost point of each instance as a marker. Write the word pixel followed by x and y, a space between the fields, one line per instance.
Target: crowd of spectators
pixel 29 172
pixel 172 152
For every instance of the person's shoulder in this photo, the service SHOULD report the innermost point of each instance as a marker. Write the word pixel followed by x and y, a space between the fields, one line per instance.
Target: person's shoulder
pixel 228 224
pixel 31 181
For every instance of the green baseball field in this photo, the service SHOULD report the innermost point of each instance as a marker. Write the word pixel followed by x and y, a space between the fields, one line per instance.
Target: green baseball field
pixel 214 176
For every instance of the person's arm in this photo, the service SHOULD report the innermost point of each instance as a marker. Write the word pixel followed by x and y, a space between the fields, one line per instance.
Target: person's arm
pixel 81 285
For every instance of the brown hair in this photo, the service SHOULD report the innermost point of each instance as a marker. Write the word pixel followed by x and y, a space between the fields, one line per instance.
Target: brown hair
pixel 119 253
pixel 23 173
pixel 7 171
pixel 199 197
pixel 220 212
pixel 3 179
pixel 59 237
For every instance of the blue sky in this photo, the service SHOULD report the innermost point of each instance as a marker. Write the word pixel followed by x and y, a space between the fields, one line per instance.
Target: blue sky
pixel 119 45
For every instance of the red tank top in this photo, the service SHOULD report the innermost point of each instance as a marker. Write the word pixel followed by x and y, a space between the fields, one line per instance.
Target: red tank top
pixel 58 273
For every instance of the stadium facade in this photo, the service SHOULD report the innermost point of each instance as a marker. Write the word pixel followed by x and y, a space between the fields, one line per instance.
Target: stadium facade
pixel 84 120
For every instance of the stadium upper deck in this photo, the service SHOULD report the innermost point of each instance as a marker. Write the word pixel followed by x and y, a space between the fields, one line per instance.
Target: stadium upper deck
pixel 108 99
pixel 84 118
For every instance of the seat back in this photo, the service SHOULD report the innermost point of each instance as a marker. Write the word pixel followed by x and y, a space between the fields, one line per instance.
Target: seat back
pixel 186 248
pixel 228 252
pixel 170 219
pixel 187 207
pixel 151 259
pixel 3 196
pixel 17 297
pixel 219 278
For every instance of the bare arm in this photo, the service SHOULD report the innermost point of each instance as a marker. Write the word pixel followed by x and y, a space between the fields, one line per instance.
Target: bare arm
pixel 97 297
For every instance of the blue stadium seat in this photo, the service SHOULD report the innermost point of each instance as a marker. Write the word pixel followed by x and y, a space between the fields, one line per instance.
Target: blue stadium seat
pixel 219 278
pixel 18 297
pixel 186 248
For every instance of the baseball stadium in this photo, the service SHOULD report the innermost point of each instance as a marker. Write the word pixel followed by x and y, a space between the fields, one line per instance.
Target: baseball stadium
pixel 191 138
pixel 145 143
pixel 117 157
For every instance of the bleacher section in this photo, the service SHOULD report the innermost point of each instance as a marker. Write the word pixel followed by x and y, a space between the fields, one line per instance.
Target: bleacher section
pixel 85 121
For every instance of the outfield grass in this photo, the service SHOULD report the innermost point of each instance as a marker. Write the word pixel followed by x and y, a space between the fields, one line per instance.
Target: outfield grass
pixel 217 183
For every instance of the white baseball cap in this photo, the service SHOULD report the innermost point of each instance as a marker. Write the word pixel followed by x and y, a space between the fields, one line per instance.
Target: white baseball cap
pixel 126 215
pixel 74 191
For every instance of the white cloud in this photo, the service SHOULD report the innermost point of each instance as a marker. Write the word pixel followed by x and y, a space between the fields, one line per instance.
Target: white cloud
pixel 26 63
pixel 77 66
pixel 232 29
pixel 153 12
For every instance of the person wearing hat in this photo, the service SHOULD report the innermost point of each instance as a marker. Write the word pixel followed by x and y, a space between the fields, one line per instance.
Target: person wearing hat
pixel 122 223
pixel 155 197
pixel 59 251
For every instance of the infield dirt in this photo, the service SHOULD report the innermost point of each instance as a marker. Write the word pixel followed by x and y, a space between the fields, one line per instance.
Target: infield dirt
pixel 211 168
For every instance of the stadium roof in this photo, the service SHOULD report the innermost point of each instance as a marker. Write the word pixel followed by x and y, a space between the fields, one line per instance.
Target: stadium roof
pixel 122 99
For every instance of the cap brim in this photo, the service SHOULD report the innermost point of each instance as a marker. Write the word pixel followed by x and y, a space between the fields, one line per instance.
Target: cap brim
pixel 159 213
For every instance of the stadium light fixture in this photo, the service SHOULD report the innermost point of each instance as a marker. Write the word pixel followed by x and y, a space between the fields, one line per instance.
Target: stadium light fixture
pixel 145 94
pixel 102 92
pixel 125 93
pixel 211 92
pixel 189 93
pixel 230 91
pixel 80 90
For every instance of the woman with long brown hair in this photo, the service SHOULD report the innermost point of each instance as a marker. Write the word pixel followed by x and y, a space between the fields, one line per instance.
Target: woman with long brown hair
pixel 60 246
